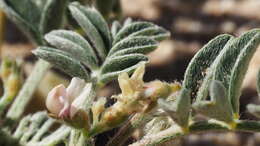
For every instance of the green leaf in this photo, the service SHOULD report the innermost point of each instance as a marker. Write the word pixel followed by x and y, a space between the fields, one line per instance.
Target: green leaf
pixel 107 77
pixel 178 110
pixel 222 66
pixel 183 107
pixel 127 21
pixel 122 62
pixel 19 131
pixel 240 68
pixel 115 28
pixel 63 61
pixel 35 17
pixel 27 21
pixel 211 71
pixel 228 57
pixel 98 21
pixel 155 32
pixel 168 106
pixel 35 122
pixel 35 130
pixel 75 45
pixel 141 50
pixel 219 106
pixel 55 137
pixel 112 67
pixel 132 44
pixel 140 29
pixel 52 15
pixel 81 15
pixel 258 83
pixel 27 10
pixel 199 64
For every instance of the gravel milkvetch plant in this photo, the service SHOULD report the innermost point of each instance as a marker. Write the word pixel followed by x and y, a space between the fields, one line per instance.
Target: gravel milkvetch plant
pixel 162 111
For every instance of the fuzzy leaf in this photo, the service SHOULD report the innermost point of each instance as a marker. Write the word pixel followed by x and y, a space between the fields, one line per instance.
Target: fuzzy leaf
pixel 52 15
pixel 157 124
pixel 35 130
pixel 80 14
pixel 56 137
pixel 28 21
pixel 168 106
pixel 127 21
pixel 35 122
pixel 74 44
pixel 203 90
pixel 199 64
pixel 140 29
pixel 21 127
pixel 228 57
pixel 122 62
pixel 258 83
pixel 27 9
pixel 111 75
pixel 219 106
pixel 155 32
pixel 222 66
pixel 101 25
pixel 134 44
pixel 63 61
pixel 179 110
pixel 33 17
pixel 115 28
pixel 140 50
pixel 240 68
pixel 183 107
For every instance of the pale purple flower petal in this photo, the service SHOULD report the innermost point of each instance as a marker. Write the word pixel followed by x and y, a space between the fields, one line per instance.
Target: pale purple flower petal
pixel 56 99
pixel 75 88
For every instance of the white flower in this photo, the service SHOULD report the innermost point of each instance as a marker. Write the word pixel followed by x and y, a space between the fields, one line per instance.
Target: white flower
pixel 64 102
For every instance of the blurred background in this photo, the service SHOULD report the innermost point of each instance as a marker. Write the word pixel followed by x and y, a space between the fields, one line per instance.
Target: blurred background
pixel 192 24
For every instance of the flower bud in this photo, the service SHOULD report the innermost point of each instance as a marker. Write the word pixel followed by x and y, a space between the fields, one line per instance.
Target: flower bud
pixel 97 108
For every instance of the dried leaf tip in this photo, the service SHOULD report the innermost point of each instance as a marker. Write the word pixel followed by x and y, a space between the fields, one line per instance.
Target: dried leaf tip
pixel 135 83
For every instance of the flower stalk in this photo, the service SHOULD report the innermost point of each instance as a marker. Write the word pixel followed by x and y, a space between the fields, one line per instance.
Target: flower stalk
pixel 28 88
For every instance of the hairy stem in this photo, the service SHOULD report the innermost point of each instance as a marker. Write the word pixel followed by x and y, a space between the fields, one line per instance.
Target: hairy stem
pixel 5 100
pixel 25 94
pixel 137 121
pixel 176 132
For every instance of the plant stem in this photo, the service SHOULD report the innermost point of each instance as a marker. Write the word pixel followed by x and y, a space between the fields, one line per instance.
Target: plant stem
pixel 175 131
pixel 5 100
pixel 137 121
pixel 25 94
